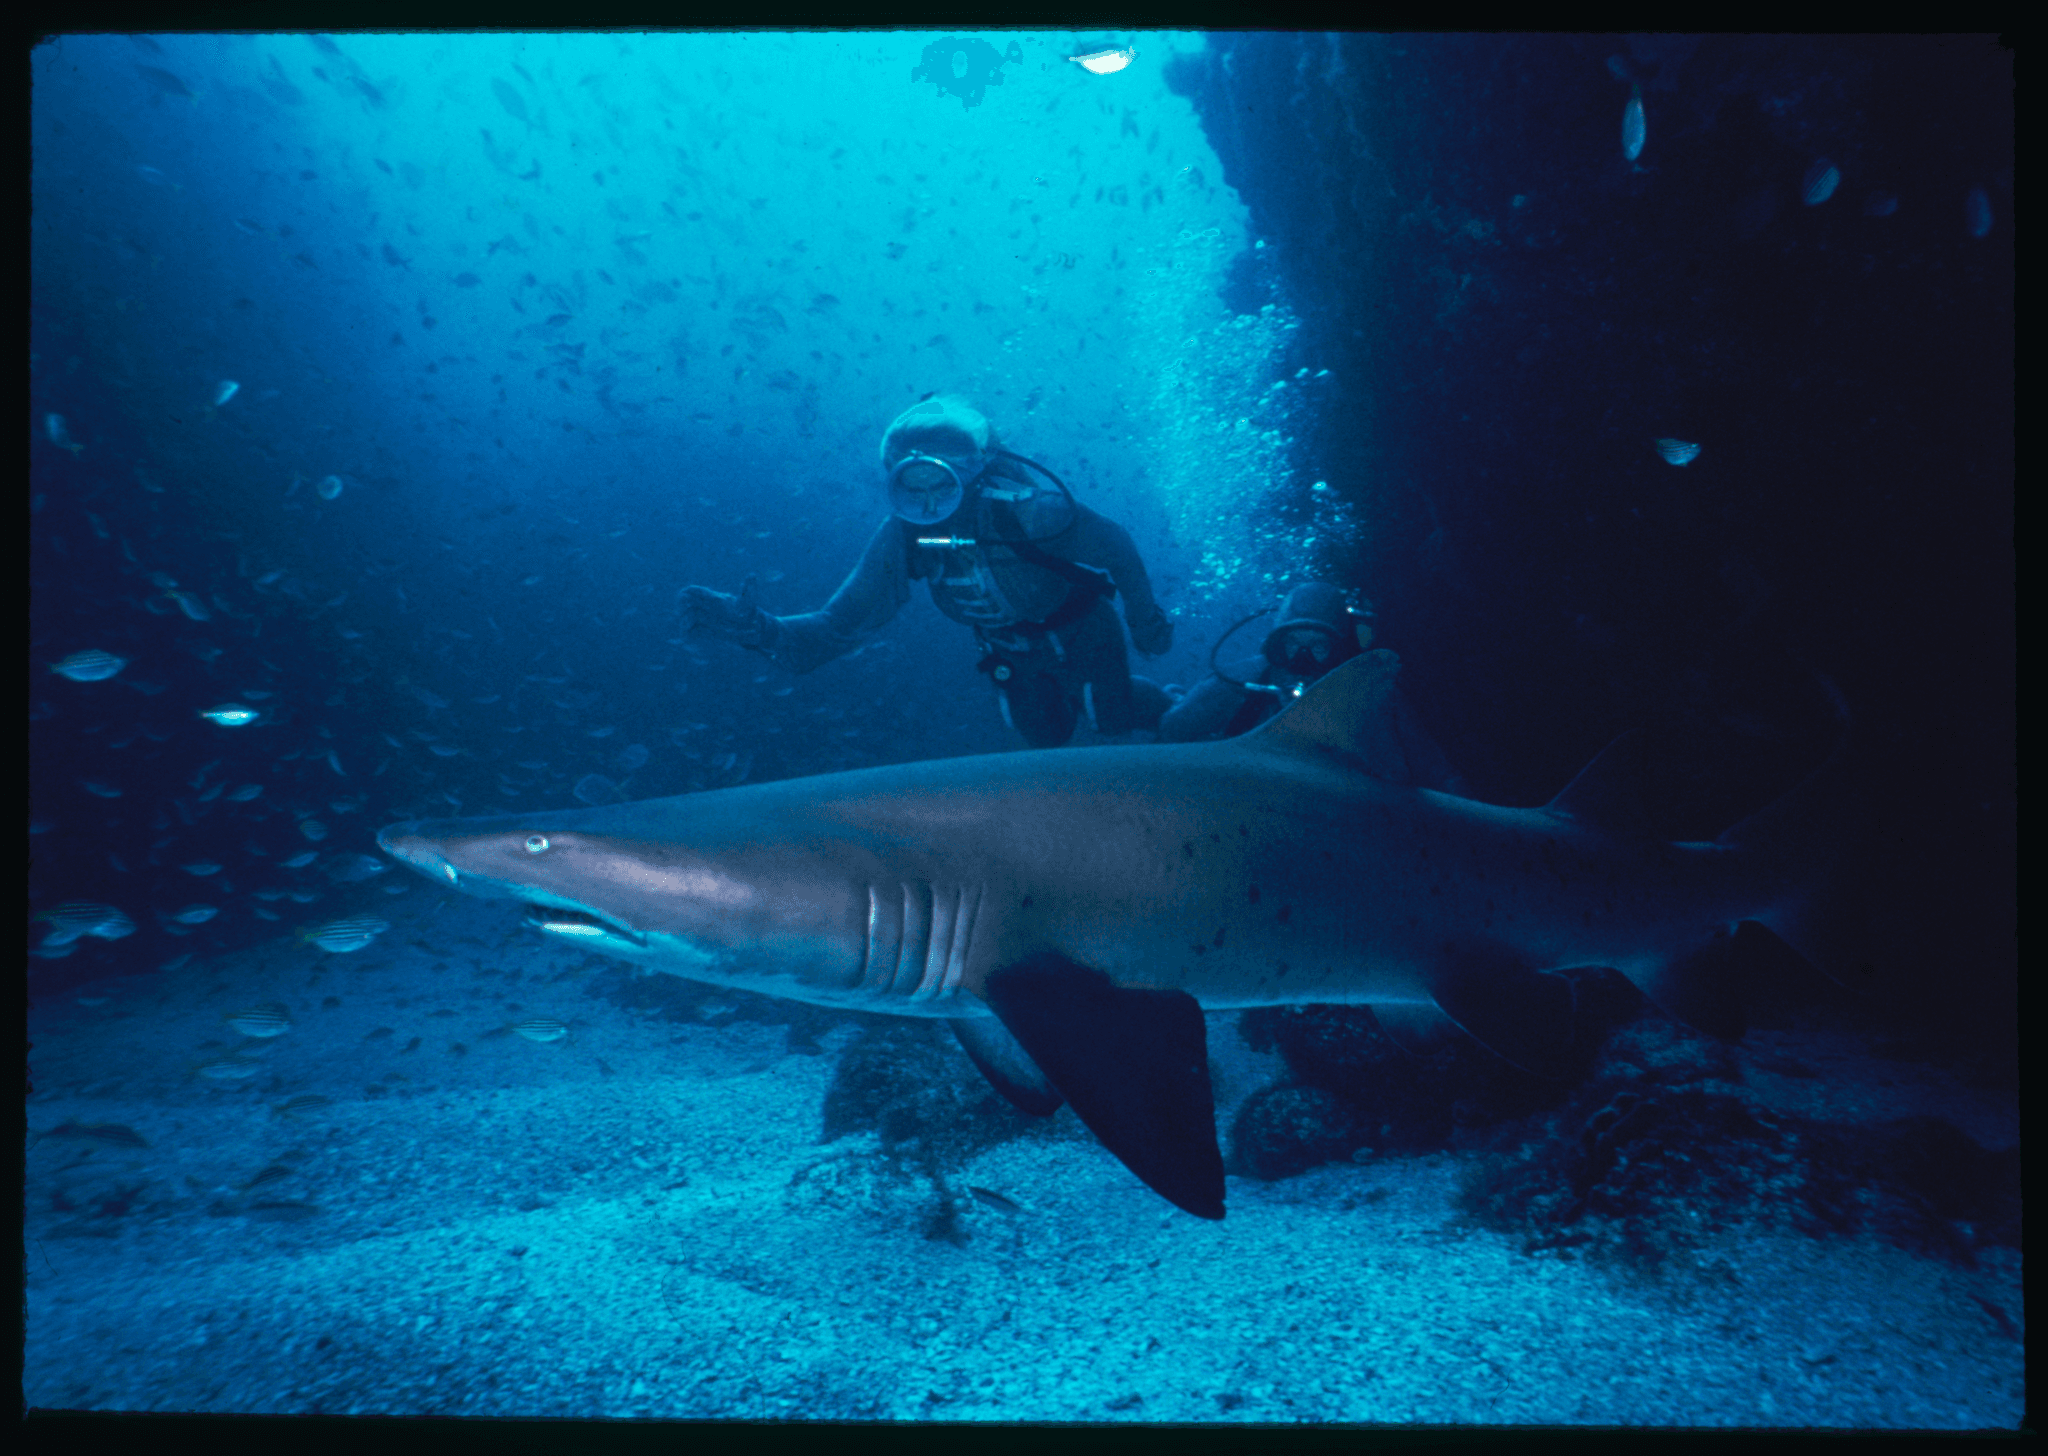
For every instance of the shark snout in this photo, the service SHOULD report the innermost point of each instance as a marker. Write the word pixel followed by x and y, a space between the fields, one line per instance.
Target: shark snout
pixel 405 843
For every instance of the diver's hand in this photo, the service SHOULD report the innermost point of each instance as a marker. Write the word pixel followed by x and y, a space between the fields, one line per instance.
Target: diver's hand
pixel 736 619
pixel 1154 636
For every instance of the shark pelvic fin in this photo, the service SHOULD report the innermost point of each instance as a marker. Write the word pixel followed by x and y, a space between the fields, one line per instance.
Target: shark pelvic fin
pixel 1416 1028
pixel 1134 1064
pixel 1608 793
pixel 1700 987
pixel 1007 1066
pixel 1815 841
pixel 1351 712
pixel 1521 1015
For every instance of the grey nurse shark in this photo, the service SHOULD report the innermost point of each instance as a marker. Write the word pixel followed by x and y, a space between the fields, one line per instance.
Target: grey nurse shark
pixel 1073 911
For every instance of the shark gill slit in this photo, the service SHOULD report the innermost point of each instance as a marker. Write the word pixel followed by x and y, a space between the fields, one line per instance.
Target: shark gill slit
pixel 917 937
pixel 918 940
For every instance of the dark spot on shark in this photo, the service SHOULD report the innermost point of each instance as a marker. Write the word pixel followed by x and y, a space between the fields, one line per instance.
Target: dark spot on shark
pixel 1027 903
pixel 1253 894
pixel 1286 914
pixel 1279 968
pixel 1243 833
pixel 1215 839
pixel 1199 949
pixel 1218 941
pixel 1187 848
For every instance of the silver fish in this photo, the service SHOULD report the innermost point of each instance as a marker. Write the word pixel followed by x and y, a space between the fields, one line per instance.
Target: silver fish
pixel 230 715
pixel 227 1069
pixel 53 426
pixel 1106 62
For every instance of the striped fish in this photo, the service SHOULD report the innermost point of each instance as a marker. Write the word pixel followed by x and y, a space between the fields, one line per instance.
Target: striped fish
pixel 541 1028
pixel 266 1020
pixel 351 932
pixel 76 918
pixel 1822 178
pixel 91 665
pixel 1678 452
pixel 305 1102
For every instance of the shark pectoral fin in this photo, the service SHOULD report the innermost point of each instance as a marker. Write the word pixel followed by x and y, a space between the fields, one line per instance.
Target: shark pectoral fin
pixel 1007 1066
pixel 1134 1064
pixel 1519 1014
pixel 1417 1029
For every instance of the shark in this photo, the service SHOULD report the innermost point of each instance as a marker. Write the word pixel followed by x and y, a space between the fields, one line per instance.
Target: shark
pixel 1074 912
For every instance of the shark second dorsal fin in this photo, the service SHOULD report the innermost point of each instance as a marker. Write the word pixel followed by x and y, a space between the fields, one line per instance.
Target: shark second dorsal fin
pixel 1608 793
pixel 1351 712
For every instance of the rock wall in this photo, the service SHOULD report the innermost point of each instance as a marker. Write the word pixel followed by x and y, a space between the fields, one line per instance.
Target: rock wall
pixel 1516 312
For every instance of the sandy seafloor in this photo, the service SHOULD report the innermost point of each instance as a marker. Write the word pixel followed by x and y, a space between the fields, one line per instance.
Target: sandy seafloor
pixel 640 1221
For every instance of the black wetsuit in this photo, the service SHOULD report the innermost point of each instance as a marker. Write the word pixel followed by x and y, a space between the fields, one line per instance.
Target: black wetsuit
pixel 1049 651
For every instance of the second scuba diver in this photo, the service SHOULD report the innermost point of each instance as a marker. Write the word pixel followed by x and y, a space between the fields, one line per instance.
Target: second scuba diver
pixel 1316 631
pixel 1017 559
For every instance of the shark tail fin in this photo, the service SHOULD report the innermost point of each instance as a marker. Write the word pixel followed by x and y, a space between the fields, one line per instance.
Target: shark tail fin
pixel 1808 843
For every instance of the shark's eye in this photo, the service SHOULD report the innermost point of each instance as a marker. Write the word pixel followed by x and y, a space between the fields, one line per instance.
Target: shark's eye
pixel 536 843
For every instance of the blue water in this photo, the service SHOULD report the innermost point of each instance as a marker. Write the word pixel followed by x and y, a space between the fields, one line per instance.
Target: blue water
pixel 574 321
pixel 393 387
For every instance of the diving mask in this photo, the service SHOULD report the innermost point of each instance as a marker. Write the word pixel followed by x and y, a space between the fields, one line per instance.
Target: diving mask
pixel 926 489
pixel 1305 651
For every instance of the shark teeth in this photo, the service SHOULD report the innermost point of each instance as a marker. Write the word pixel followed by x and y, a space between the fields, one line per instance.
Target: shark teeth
pixel 580 923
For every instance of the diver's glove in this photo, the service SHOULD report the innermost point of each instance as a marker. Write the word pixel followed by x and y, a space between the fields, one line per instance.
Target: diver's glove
pixel 736 619
pixel 1154 635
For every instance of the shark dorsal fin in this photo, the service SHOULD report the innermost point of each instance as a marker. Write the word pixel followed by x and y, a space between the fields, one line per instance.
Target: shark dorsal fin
pixel 1608 793
pixel 1351 711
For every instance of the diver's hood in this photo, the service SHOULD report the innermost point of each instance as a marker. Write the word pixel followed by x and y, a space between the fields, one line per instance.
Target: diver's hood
pixel 945 426
pixel 1319 605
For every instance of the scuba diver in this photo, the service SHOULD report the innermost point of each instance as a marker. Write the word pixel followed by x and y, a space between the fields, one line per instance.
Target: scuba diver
pixel 1023 563
pixel 1315 632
